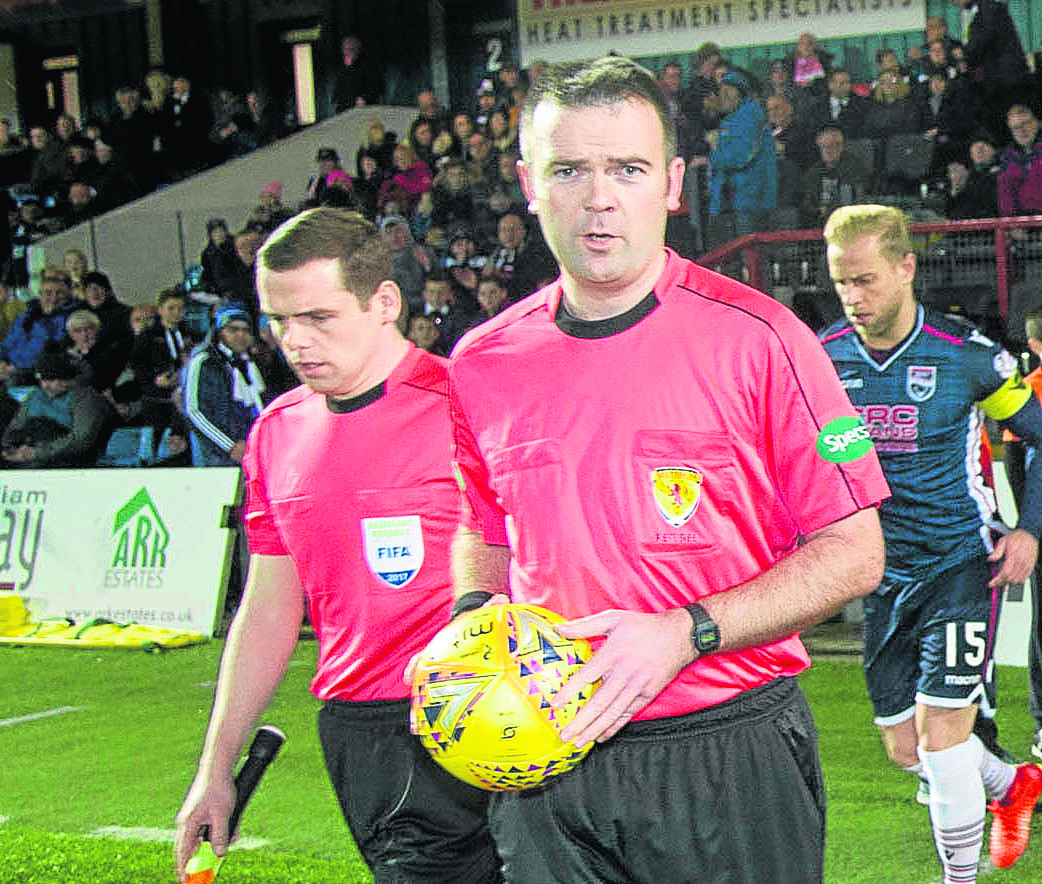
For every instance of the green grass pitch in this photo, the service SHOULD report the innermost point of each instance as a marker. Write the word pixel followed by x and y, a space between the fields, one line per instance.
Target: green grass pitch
pixel 125 753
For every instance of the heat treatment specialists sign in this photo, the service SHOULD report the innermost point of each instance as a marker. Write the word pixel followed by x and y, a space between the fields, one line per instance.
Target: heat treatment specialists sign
pixel 142 545
pixel 569 30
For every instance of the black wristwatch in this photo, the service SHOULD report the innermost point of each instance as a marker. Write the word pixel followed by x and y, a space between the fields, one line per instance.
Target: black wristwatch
pixel 705 634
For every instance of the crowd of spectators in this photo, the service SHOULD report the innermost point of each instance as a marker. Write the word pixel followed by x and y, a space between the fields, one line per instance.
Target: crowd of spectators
pixel 67 171
pixel 79 367
pixel 934 129
pixel 781 150
pixel 198 363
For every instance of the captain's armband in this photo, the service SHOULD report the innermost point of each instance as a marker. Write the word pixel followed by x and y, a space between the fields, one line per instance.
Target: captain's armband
pixel 1008 399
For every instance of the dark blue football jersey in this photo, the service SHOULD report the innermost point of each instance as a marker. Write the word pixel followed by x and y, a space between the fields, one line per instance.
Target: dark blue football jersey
pixel 924 406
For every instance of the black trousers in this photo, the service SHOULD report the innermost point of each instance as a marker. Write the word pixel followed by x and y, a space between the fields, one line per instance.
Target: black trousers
pixel 412 821
pixel 732 794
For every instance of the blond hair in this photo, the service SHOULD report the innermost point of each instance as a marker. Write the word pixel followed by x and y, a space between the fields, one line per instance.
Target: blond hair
pixel 890 224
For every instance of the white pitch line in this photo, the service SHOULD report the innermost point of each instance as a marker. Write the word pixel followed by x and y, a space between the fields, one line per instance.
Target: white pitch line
pixel 36 716
pixel 166 836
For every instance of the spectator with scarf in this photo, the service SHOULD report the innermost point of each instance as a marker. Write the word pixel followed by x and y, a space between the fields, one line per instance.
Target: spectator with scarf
pixel 222 389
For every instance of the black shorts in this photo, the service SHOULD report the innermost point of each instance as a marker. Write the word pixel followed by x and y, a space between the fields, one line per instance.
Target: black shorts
pixel 732 794
pixel 412 821
pixel 931 642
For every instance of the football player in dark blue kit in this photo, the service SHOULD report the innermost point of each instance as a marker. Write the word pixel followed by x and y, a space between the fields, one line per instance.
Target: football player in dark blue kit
pixel 923 384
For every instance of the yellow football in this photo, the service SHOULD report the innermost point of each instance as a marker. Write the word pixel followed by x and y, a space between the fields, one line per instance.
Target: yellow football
pixel 481 697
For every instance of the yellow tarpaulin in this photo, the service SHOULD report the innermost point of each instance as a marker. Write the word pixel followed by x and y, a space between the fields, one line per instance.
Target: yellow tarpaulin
pixel 17 628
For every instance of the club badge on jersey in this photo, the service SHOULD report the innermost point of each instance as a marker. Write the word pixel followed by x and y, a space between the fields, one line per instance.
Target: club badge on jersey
pixel 922 382
pixel 393 548
pixel 676 491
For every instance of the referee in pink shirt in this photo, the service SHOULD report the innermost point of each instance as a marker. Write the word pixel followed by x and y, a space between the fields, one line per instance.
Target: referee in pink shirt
pixel 667 458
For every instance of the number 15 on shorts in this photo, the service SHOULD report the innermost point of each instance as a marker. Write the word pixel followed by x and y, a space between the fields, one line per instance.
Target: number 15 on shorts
pixel 966 644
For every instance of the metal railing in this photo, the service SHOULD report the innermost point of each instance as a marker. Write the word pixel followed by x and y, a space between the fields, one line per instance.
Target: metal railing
pixel 989 270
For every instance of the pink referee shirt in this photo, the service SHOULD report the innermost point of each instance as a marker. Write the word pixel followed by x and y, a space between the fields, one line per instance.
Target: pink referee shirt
pixel 366 504
pixel 665 462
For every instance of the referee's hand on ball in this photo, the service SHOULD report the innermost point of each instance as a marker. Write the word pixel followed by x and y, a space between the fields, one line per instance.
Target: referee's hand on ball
pixel 641 654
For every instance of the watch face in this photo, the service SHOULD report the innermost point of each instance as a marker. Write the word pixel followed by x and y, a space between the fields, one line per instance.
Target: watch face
pixel 705 634
pixel 707 637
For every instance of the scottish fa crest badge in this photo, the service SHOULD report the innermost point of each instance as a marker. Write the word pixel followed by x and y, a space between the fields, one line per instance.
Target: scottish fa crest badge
pixel 922 382
pixel 676 491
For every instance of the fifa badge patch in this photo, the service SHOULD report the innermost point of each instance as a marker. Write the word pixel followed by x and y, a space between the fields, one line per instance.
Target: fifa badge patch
pixel 676 491
pixel 393 548
pixel 921 383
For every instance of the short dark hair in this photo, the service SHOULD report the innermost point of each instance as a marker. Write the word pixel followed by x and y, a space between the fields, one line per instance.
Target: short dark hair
pixel 96 277
pixel 169 294
pixel 604 81
pixel 705 52
pixel 495 278
pixel 436 275
pixel 330 234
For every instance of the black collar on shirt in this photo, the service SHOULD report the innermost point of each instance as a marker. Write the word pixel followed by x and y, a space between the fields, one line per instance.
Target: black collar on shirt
pixel 604 328
pixel 354 403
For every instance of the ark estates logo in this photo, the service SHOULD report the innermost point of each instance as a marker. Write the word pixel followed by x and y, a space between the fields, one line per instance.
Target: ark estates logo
pixel 139 544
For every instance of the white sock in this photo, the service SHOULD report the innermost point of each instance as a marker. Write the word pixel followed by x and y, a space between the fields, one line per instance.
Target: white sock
pixel 916 769
pixel 956 808
pixel 996 774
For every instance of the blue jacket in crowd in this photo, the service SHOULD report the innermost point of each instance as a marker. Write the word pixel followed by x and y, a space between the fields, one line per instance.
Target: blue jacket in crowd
pixel 744 162
pixel 34 328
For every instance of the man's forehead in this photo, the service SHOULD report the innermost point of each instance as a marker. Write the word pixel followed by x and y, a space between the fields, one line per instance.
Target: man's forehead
pixel 288 293
pixel 866 246
pixel 549 118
